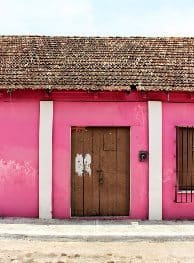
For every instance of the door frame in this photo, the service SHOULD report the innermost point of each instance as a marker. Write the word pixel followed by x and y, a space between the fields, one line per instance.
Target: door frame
pixel 103 217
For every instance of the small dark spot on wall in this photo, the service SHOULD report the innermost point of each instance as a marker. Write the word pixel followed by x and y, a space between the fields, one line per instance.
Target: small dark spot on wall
pixel 133 87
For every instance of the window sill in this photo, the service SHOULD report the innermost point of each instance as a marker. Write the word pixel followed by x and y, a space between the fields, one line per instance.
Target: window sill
pixel 185 192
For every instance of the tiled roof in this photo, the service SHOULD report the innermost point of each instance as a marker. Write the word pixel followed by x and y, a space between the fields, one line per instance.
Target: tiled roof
pixel 95 63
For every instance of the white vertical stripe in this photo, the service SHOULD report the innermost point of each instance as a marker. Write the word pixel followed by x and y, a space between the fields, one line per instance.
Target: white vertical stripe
pixel 45 159
pixel 155 160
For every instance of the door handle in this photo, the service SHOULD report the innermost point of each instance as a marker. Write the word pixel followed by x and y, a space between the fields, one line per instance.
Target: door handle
pixel 101 176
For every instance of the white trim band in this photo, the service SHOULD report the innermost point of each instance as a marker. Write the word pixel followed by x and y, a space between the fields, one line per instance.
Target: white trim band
pixel 155 160
pixel 45 159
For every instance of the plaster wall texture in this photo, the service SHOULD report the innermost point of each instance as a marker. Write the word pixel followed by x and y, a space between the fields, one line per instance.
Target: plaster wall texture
pixel 19 158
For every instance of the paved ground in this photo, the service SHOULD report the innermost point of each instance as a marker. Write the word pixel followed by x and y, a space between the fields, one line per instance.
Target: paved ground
pixel 74 230
pixel 60 241
pixel 16 251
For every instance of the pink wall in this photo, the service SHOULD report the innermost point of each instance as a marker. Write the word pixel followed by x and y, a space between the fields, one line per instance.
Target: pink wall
pixel 174 114
pixel 19 158
pixel 19 116
pixel 99 114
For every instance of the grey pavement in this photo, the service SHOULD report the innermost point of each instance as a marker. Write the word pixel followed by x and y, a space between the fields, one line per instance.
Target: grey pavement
pixel 95 230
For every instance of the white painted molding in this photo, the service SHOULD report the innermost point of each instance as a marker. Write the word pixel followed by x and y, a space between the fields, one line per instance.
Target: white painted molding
pixel 155 160
pixel 45 159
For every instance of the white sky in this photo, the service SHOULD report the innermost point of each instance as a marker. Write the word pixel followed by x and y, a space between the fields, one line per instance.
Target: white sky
pixel 97 17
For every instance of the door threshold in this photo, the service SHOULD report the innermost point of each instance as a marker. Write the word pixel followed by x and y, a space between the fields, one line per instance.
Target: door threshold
pixel 100 217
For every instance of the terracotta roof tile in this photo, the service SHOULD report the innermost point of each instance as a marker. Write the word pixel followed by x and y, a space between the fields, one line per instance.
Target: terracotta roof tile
pixel 95 63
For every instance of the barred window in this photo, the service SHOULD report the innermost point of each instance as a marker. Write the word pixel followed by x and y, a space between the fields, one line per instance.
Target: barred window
pixel 185 158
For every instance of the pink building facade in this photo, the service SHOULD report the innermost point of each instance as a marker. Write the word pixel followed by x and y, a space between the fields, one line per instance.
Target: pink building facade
pixel 32 187
pixel 97 127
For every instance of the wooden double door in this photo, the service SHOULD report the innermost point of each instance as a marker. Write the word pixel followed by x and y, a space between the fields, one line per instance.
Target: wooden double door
pixel 100 171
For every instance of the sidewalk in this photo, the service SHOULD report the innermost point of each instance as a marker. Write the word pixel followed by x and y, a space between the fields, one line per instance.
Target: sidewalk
pixel 96 230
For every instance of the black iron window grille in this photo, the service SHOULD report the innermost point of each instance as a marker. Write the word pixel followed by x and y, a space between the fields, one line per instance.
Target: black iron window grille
pixel 184 165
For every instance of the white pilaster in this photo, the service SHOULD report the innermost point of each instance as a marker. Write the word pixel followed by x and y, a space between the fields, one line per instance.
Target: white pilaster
pixel 155 160
pixel 45 159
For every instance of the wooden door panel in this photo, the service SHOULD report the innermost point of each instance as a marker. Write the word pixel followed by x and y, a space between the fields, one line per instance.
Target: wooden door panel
pixel 91 187
pixel 114 193
pixel 109 139
pixel 103 188
pixel 77 140
pixel 108 166
pixel 123 159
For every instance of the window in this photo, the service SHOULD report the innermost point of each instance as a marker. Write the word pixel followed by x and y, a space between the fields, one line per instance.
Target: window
pixel 185 158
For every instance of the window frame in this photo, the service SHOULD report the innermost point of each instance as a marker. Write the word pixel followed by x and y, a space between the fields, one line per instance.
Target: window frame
pixel 184 144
